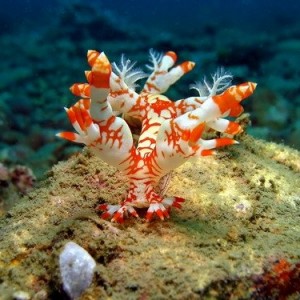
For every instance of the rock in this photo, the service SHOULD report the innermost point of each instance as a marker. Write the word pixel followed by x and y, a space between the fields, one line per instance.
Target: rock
pixel 76 268
pixel 238 227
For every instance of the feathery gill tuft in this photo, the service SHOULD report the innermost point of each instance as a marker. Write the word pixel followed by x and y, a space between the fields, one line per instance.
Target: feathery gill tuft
pixel 126 71
pixel 155 59
pixel 220 81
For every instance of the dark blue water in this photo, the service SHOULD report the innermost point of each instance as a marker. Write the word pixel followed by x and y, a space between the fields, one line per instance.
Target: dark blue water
pixel 190 15
pixel 172 15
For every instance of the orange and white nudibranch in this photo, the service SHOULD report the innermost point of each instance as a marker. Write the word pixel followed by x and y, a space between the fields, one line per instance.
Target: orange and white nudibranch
pixel 171 131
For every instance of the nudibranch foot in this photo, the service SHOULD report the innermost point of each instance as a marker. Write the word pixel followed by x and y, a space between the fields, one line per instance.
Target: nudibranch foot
pixel 162 209
pixel 116 212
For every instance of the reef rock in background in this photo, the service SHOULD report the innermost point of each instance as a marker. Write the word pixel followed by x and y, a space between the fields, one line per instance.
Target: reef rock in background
pixel 14 183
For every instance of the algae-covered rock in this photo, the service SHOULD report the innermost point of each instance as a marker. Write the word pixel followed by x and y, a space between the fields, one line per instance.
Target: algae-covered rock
pixel 236 236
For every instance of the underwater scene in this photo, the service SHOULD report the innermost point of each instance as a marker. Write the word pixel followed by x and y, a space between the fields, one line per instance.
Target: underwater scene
pixel 149 149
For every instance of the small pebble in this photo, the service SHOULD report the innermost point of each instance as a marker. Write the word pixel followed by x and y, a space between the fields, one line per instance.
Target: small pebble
pixel 21 295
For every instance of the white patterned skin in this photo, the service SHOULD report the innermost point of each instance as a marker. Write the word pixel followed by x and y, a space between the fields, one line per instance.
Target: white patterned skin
pixel 171 131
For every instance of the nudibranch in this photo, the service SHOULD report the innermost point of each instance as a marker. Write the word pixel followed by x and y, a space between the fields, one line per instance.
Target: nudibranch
pixel 171 131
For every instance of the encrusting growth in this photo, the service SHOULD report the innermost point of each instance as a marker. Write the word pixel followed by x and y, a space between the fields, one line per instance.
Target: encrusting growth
pixel 171 132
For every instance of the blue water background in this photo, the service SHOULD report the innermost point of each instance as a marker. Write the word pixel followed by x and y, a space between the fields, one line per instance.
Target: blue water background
pixel 178 15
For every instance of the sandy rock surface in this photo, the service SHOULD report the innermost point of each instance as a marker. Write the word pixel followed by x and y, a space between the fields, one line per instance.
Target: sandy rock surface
pixel 237 235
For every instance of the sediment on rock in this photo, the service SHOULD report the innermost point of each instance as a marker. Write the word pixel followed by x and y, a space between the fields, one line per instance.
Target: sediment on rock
pixel 240 219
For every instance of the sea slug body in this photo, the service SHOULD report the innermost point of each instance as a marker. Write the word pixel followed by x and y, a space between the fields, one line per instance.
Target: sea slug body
pixel 171 131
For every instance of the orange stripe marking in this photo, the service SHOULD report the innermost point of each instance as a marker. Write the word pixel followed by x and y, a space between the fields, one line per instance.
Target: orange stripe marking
pixel 187 66
pixel 71 115
pixel 92 56
pixel 70 136
pixel 197 133
pixel 233 128
pixel 172 55
pixel 224 142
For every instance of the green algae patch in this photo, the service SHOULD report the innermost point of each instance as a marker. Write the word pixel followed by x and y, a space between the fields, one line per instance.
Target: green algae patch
pixel 241 216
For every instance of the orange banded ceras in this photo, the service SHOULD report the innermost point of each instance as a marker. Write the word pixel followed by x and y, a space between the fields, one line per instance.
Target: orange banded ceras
pixel 171 132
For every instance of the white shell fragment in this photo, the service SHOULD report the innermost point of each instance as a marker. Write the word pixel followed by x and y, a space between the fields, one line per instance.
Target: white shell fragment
pixel 76 269
pixel 21 295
